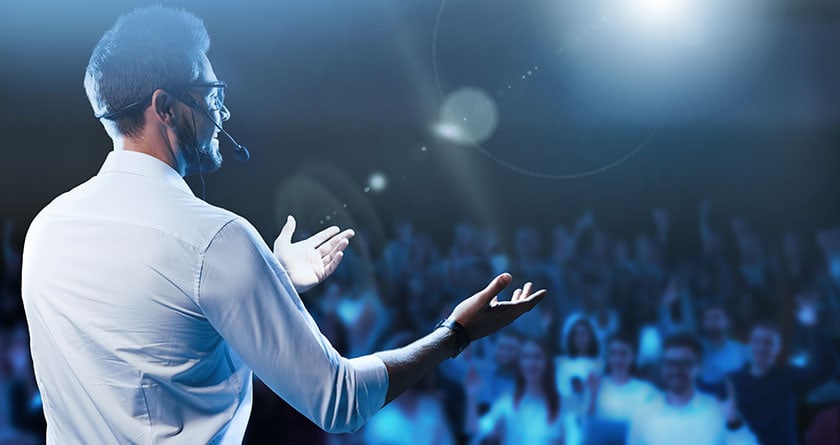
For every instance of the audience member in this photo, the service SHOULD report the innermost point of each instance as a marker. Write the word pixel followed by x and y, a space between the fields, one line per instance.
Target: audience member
pixel 683 415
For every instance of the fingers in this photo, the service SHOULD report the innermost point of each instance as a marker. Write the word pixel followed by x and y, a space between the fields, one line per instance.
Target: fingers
pixel 521 294
pixel 524 301
pixel 287 230
pixel 497 285
pixel 336 243
pixel 332 262
pixel 319 238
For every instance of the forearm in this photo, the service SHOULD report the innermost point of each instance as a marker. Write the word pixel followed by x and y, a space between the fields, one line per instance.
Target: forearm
pixel 407 365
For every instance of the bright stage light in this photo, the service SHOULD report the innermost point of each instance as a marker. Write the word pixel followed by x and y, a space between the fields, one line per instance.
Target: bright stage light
pixel 659 15
pixel 660 11
pixel 468 116
pixel 377 183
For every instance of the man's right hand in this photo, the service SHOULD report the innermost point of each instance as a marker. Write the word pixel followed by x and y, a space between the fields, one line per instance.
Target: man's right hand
pixel 483 314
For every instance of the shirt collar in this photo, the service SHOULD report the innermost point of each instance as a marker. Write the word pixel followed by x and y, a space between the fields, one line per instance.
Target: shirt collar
pixel 136 163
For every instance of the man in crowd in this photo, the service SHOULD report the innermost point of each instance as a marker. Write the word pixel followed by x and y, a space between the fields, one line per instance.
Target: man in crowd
pixel 683 415
pixel 499 376
pixel 768 391
pixel 721 354
pixel 150 310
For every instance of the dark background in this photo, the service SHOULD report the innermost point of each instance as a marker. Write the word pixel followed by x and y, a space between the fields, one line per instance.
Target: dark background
pixel 325 93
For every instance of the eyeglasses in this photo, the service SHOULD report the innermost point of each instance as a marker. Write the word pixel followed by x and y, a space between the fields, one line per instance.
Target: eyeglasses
pixel 217 99
pixel 218 95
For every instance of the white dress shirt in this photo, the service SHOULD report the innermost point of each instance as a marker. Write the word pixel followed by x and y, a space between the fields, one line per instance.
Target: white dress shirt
pixel 148 309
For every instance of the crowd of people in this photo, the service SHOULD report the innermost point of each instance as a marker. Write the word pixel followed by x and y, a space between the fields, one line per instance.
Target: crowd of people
pixel 638 343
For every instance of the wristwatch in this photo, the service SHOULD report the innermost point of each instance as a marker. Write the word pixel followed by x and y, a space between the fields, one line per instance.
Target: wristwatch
pixel 461 335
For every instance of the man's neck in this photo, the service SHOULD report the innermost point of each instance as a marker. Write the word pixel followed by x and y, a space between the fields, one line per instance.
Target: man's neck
pixel 757 371
pixel 680 398
pixel 160 150
pixel 620 378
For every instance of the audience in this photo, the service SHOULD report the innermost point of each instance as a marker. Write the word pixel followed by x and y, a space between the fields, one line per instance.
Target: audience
pixel 606 360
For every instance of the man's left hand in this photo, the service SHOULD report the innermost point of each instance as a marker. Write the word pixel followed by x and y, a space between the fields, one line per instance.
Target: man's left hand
pixel 310 261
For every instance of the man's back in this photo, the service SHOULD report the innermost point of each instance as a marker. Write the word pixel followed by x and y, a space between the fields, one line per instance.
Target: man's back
pixel 109 282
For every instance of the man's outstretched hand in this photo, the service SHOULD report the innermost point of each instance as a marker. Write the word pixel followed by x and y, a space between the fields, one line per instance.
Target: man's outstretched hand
pixel 310 261
pixel 483 314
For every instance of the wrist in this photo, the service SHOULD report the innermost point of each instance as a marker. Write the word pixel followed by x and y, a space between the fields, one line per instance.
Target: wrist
pixel 457 337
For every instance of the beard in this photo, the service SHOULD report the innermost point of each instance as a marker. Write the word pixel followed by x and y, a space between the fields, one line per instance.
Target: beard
pixel 198 157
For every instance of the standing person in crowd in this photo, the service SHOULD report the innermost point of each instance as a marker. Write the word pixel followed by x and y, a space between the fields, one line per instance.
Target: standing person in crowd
pixel 499 375
pixel 150 310
pixel 582 355
pixel 768 391
pixel 528 415
pixel 683 415
pixel 721 354
pixel 581 359
pixel 614 397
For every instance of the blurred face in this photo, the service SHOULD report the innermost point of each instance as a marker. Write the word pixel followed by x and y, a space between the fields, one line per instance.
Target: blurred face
pixel 506 352
pixel 765 345
pixel 581 338
pixel 715 323
pixel 532 363
pixel 619 357
pixel 679 369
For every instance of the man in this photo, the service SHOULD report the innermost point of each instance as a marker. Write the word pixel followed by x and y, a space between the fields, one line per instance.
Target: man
pixel 683 415
pixel 499 376
pixel 149 308
pixel 721 354
pixel 768 392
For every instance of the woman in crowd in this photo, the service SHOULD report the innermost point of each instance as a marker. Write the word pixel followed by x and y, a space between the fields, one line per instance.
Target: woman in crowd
pixel 530 415
pixel 614 397
pixel 581 358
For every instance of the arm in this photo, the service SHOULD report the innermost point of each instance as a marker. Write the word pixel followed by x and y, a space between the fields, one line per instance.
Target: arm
pixel 593 382
pixel 822 366
pixel 480 315
pixel 737 431
pixel 823 363
pixel 675 294
pixel 247 297
pixel 252 303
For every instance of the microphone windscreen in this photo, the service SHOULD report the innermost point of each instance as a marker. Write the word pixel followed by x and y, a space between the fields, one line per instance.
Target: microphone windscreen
pixel 241 154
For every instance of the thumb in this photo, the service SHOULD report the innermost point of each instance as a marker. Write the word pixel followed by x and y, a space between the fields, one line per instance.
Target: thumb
pixel 287 230
pixel 497 285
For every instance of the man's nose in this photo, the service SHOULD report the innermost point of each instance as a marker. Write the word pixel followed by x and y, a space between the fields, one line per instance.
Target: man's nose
pixel 225 113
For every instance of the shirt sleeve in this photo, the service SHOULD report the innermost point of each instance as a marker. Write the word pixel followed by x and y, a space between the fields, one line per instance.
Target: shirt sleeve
pixel 248 298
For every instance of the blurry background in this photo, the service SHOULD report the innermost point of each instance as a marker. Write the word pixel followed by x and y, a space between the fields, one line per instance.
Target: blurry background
pixel 484 128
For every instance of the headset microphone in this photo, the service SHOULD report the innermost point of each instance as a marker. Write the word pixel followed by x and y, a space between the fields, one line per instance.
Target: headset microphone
pixel 240 153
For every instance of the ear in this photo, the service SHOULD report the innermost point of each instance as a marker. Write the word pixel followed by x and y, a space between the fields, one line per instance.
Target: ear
pixel 164 106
